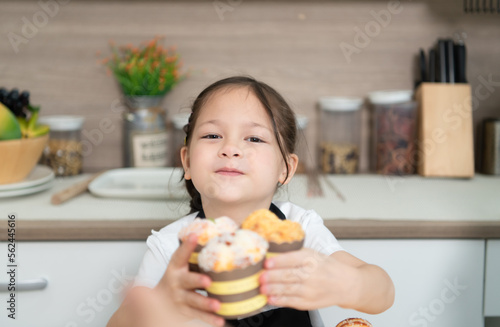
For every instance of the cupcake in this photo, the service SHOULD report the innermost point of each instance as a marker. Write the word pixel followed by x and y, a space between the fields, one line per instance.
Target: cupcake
pixel 205 230
pixel 282 235
pixel 234 262
pixel 354 322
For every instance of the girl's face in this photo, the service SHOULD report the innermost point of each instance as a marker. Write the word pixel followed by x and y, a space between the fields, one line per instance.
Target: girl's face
pixel 233 156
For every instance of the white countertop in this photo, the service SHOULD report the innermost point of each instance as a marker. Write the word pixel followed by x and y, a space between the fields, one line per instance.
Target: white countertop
pixel 366 197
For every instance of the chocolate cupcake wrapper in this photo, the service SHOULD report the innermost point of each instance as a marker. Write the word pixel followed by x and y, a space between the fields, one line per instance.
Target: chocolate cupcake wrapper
pixel 242 309
pixel 238 291
pixel 277 248
pixel 193 259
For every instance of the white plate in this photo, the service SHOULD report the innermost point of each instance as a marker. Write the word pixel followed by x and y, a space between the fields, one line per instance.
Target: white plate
pixel 39 175
pixel 27 190
pixel 140 183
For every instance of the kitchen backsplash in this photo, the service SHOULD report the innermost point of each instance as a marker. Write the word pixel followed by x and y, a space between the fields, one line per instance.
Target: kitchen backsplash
pixel 304 49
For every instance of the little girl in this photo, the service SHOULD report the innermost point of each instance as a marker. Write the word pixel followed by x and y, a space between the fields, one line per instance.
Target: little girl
pixel 239 149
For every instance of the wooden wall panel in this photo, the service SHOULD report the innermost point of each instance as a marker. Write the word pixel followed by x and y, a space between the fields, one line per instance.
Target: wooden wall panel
pixel 292 45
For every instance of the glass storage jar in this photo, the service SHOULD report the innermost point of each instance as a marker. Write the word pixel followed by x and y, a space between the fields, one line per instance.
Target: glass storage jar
pixel 63 152
pixel 179 121
pixel 340 134
pixel 302 150
pixel 394 130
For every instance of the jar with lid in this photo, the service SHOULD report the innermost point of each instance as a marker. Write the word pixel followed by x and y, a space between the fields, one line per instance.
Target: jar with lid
pixel 394 128
pixel 63 152
pixel 302 150
pixel 340 134
pixel 179 121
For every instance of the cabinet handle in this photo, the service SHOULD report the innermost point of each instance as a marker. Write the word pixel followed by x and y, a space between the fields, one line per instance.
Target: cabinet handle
pixel 25 285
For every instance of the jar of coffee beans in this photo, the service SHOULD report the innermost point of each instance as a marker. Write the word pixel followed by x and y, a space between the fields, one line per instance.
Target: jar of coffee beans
pixel 340 134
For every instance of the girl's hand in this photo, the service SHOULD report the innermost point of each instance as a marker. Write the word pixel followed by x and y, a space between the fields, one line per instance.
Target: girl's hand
pixel 178 286
pixel 305 280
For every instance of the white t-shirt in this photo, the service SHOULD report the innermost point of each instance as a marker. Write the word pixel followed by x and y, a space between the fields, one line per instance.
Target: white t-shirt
pixel 162 244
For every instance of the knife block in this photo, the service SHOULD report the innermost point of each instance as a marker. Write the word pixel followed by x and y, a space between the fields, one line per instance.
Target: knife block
pixel 445 132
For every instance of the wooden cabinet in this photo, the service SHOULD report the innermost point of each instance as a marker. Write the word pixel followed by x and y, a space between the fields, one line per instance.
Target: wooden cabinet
pixel 492 279
pixel 86 281
pixel 438 282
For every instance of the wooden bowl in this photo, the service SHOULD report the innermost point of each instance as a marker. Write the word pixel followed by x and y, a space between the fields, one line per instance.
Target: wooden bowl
pixel 19 157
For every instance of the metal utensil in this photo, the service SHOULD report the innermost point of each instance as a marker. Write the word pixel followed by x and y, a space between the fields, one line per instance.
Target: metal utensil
pixel 313 184
pixel 333 188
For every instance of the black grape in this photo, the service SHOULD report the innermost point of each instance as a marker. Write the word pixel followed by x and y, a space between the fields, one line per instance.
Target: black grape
pixel 25 98
pixel 3 94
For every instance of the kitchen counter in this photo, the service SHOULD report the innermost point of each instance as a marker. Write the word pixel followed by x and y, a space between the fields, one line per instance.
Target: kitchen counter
pixel 361 206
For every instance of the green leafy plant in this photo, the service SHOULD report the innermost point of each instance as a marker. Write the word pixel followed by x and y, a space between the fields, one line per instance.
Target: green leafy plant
pixel 150 69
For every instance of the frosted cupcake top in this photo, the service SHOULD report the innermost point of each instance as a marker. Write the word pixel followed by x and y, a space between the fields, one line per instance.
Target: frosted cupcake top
pixel 230 251
pixel 269 226
pixel 207 229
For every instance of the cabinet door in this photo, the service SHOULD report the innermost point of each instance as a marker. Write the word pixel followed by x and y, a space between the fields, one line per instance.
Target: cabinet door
pixel 86 282
pixel 492 279
pixel 438 282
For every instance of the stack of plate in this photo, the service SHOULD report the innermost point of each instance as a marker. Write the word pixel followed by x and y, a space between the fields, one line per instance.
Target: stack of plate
pixel 40 178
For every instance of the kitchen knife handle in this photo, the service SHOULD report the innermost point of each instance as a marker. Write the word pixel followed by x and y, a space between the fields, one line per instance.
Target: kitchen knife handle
pixel 450 61
pixel 423 67
pixel 432 66
pixel 441 62
pixel 460 61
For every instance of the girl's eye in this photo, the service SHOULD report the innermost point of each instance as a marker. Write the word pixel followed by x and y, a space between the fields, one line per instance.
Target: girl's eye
pixel 210 136
pixel 254 139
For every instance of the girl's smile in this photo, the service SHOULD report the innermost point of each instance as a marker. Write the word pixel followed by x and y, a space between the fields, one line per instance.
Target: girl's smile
pixel 229 172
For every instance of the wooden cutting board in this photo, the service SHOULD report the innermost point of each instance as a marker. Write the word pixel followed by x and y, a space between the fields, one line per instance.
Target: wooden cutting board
pixel 445 130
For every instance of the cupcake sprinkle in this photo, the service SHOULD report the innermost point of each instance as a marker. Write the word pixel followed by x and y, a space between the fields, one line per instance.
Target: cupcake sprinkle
pixel 235 250
pixel 207 229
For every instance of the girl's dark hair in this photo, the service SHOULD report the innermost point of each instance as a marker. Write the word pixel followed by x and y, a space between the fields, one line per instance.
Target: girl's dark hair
pixel 280 113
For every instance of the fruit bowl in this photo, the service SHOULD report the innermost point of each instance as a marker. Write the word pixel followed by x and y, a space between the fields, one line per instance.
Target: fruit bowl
pixel 19 157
